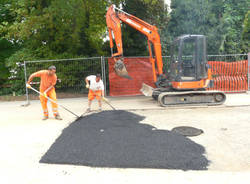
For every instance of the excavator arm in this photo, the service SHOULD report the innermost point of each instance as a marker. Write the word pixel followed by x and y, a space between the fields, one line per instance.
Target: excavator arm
pixel 114 17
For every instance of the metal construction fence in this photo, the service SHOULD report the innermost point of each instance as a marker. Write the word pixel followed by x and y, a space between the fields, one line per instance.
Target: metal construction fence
pixel 230 74
pixel 71 74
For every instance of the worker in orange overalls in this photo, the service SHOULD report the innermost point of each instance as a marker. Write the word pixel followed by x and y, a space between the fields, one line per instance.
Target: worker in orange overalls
pixel 96 90
pixel 47 83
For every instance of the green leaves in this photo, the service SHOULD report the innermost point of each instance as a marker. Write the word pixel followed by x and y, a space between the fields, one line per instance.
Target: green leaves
pixel 58 25
pixel 49 29
pixel 245 36
pixel 221 21
pixel 153 12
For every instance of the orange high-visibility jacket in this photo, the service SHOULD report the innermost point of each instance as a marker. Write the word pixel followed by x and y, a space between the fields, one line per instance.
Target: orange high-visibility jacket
pixel 46 79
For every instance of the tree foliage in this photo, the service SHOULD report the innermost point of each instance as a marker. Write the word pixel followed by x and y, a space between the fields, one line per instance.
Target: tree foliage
pixel 245 36
pixel 221 21
pixel 48 29
pixel 56 27
pixel 6 47
pixel 153 12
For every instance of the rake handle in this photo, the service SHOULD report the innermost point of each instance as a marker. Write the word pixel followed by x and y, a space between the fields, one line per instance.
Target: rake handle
pixel 107 102
pixel 53 101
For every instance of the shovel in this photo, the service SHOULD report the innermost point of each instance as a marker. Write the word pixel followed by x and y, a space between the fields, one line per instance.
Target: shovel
pixel 107 102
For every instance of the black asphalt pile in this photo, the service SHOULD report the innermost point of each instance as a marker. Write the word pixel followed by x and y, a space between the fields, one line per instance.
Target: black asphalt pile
pixel 118 139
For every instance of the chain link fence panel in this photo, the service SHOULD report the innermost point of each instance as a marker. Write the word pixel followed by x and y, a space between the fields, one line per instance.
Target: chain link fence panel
pixel 230 73
pixel 71 74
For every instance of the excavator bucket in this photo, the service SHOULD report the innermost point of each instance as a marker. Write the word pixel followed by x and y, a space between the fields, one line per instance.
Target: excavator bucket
pixel 120 69
pixel 146 89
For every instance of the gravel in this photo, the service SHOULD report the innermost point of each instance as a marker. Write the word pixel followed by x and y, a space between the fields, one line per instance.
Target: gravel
pixel 117 139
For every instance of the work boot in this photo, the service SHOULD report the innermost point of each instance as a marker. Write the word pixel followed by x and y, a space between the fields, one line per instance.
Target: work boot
pixel 88 110
pixel 58 117
pixel 45 117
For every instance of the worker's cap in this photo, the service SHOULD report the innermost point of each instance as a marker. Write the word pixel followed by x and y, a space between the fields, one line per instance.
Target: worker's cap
pixel 52 68
pixel 98 75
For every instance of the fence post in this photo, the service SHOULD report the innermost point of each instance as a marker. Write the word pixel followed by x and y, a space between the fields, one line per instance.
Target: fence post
pixel 248 72
pixel 26 89
pixel 104 74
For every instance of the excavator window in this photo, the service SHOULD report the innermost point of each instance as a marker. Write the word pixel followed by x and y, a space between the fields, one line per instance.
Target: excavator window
pixel 188 58
pixel 201 58
pixel 173 64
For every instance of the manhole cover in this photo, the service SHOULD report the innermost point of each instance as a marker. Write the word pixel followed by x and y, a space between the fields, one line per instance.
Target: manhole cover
pixel 187 131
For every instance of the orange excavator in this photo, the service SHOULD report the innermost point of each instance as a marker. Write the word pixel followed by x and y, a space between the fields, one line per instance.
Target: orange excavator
pixel 186 75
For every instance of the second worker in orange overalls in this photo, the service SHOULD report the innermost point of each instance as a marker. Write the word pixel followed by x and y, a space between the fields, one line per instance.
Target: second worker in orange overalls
pixel 47 83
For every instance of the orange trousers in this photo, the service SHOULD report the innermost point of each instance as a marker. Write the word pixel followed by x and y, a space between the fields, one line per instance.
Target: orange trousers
pixel 51 94
pixel 94 94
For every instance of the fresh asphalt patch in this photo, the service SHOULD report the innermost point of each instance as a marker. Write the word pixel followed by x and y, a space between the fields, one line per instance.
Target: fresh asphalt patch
pixel 117 139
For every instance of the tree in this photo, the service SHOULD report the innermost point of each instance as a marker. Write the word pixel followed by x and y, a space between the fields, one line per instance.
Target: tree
pixel 233 17
pixel 193 17
pixel 6 47
pixel 47 29
pixel 56 27
pixel 245 37
pixel 220 20
pixel 153 12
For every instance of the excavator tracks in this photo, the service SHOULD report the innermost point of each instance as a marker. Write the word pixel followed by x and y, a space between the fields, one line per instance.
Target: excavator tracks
pixel 191 98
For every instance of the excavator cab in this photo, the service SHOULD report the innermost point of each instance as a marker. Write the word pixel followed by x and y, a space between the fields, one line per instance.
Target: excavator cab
pixel 188 61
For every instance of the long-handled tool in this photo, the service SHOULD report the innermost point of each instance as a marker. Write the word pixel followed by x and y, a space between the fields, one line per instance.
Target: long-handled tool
pixel 53 101
pixel 107 102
